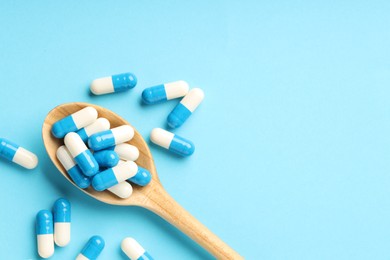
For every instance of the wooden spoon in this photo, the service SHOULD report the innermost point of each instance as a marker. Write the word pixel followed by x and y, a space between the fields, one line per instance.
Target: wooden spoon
pixel 152 197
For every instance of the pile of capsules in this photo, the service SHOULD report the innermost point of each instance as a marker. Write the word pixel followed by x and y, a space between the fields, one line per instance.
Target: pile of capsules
pixel 110 162
pixel 59 233
pixel 158 94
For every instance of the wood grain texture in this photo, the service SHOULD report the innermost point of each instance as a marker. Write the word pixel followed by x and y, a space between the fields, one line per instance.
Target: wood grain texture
pixel 152 197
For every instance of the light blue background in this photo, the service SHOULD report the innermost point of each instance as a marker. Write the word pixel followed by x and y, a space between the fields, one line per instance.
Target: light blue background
pixel 292 141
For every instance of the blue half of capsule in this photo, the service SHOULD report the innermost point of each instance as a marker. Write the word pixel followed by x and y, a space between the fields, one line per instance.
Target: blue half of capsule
pixel 87 163
pixel 93 248
pixel 62 210
pixel 154 94
pixel 44 223
pixel 178 116
pixel 106 158
pixel 124 81
pixel 142 178
pixel 78 177
pixel 181 146
pixel 100 140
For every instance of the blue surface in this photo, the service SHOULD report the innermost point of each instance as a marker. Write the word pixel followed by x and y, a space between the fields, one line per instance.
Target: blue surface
pixel 292 155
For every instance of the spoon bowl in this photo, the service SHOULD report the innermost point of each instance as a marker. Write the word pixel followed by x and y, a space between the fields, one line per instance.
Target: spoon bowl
pixel 152 197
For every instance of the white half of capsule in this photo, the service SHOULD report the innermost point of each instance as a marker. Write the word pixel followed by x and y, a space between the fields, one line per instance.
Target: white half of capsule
pixel 45 245
pixel 62 233
pixel 124 171
pixel 74 144
pixel 82 257
pixel 176 89
pixel 102 86
pixel 161 137
pixel 132 248
pixel 25 158
pixel 122 190
pixel 122 133
pixel 101 124
pixel 193 99
pixel 84 117
pixel 65 158
pixel 127 152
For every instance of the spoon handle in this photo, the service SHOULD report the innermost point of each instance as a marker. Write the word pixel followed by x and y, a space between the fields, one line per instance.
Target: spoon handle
pixel 161 203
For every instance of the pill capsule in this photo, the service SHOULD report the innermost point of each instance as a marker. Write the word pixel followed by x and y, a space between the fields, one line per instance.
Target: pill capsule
pixel 44 231
pixel 81 154
pixel 108 138
pixel 115 83
pixel 122 190
pixel 72 168
pixel 165 92
pixel 101 124
pixel 62 212
pixel 106 158
pixel 108 178
pixel 92 249
pixel 14 153
pixel 74 122
pixel 185 108
pixel 126 152
pixel 134 250
pixel 142 178
pixel 172 142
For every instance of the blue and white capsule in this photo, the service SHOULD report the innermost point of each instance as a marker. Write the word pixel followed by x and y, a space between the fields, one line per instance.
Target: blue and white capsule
pixel 92 249
pixel 62 219
pixel 172 142
pixel 126 152
pixel 72 168
pixel 108 138
pixel 115 83
pixel 101 124
pixel 142 178
pixel 185 108
pixel 44 231
pixel 14 153
pixel 164 92
pixel 74 122
pixel 134 250
pixel 110 177
pixel 81 154
pixel 106 158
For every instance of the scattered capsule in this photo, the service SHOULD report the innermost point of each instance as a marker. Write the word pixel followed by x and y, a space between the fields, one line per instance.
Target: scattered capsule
pixel 115 83
pixel 185 108
pixel 110 177
pixel 72 168
pixel 122 190
pixel 106 158
pixel 14 153
pixel 172 142
pixel 126 152
pixel 108 138
pixel 62 211
pixel 81 154
pixel 101 124
pixel 142 178
pixel 165 92
pixel 92 249
pixel 134 250
pixel 44 231
pixel 74 122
